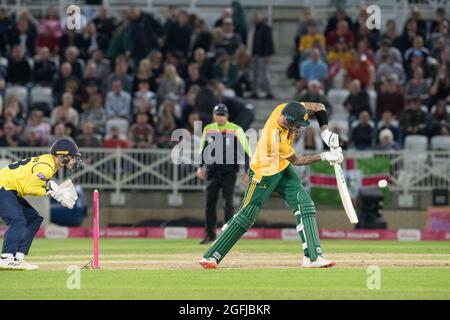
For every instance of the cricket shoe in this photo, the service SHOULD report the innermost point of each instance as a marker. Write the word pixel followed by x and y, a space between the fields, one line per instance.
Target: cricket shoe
pixel 320 262
pixel 25 266
pixel 8 263
pixel 209 263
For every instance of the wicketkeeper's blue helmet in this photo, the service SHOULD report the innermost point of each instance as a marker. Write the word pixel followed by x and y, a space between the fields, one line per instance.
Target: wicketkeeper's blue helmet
pixel 66 148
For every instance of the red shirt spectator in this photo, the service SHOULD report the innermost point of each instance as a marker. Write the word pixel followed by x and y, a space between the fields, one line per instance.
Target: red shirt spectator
pixel 390 99
pixel 342 31
pixel 115 140
pixel 360 68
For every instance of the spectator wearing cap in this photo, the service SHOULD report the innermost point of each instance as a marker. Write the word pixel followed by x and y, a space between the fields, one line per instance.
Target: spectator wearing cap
pixel 385 50
pixel 306 42
pixel 417 60
pixel 262 48
pixel 314 68
pixel 363 132
pixel 414 119
pixel 390 98
pixel 386 141
pixel 391 67
pixel 357 101
pixel 220 170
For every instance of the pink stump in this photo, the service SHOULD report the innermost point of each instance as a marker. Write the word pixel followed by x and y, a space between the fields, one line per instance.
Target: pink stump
pixel 96 230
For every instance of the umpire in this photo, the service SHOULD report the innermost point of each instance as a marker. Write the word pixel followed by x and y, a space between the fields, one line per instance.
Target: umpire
pixel 220 170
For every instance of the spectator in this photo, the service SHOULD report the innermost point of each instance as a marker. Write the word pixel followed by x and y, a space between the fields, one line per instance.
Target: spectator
pixel 440 89
pixel 94 112
pixel 405 41
pixel 390 31
pixel 204 65
pixel 37 131
pixel 305 18
pixel 339 58
pixel 362 47
pixel 120 40
pixel 19 70
pixel 188 104
pixel 88 138
pixel 170 108
pixel 60 131
pixel 387 123
pixel 200 38
pixel 5 24
pixel 262 48
pixel 415 49
pixel 314 68
pixel 23 37
pixel 115 140
pixel 31 139
pixel 120 73
pixel 385 51
pixel 390 67
pixel 362 32
pixel 44 68
pixel 417 85
pixel 314 94
pixel 145 96
pixel 10 135
pixel 415 16
pixel 117 103
pixel 340 15
pixel 230 40
pixel 72 56
pixel 439 121
pixel 141 135
pixel 440 17
pixel 194 77
pixel 342 30
pixel 413 120
pixel 70 38
pixel 360 68
pixel 92 40
pixel 363 132
pixel 143 74
pixel 104 23
pixel 64 77
pixel 240 20
pixel 65 113
pixel 165 127
pixel 226 71
pixel 387 142
pixel 179 34
pixel 156 69
pixel 306 42
pixel 442 33
pixel 145 33
pixel 103 65
pixel 357 101
pixel 417 61
pixel 390 98
pixel 47 38
pixel 171 83
pixel 227 13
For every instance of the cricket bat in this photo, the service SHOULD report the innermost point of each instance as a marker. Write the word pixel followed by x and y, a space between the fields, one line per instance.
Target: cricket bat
pixel 345 195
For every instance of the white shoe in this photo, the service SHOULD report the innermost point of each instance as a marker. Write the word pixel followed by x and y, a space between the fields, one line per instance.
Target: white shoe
pixel 23 265
pixel 320 262
pixel 8 264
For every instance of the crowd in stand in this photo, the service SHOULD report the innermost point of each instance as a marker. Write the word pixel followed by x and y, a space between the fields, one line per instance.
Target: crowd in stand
pixel 127 81
pixel 379 85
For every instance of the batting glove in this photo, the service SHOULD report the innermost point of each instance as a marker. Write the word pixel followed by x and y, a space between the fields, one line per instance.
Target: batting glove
pixel 331 139
pixel 333 156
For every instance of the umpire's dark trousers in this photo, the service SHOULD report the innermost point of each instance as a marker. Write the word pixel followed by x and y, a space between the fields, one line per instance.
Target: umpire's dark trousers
pixel 23 222
pixel 215 182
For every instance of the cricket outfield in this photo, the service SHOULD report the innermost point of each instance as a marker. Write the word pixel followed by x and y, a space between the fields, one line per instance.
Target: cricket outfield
pixel 254 269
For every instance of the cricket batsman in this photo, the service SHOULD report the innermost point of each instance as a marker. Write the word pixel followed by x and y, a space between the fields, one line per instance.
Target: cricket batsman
pixel 31 177
pixel 271 169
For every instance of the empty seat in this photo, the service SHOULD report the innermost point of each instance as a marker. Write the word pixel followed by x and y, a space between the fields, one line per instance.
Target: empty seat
pixel 337 96
pixel 416 143
pixel 19 92
pixel 41 94
pixel 121 124
pixel 440 143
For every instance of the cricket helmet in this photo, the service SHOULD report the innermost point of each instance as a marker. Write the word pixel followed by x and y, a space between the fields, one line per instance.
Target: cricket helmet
pixel 296 115
pixel 220 109
pixel 67 149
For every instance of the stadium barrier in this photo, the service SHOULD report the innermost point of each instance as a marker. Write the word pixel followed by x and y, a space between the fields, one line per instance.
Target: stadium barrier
pixel 124 170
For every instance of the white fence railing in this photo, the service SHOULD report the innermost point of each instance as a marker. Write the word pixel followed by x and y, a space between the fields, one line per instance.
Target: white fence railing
pixel 122 170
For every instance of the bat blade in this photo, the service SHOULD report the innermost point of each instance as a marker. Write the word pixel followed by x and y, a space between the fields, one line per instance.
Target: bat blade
pixel 345 195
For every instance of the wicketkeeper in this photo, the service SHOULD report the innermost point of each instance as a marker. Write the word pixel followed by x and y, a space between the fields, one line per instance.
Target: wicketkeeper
pixel 271 169
pixel 31 177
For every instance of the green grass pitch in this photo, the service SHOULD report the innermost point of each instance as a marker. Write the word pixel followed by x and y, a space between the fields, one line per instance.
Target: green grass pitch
pixel 254 269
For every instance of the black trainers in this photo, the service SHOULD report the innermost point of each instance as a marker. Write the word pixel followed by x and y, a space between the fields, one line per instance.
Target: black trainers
pixel 207 240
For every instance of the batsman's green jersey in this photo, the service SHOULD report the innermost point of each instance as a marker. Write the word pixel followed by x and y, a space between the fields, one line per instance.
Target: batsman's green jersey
pixel 282 179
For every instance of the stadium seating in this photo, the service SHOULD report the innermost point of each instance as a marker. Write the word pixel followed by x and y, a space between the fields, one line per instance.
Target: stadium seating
pixel 416 143
pixel 440 143
pixel 121 124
